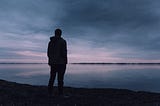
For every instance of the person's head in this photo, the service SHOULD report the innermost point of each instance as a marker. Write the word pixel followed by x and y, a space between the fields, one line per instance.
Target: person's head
pixel 58 33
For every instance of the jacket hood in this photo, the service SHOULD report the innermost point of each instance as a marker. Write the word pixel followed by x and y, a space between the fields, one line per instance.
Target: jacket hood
pixel 54 38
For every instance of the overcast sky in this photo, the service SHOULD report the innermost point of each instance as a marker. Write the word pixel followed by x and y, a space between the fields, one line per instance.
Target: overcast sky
pixel 95 30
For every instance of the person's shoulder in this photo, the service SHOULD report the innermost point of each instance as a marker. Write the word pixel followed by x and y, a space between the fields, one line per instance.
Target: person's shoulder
pixel 52 38
pixel 63 40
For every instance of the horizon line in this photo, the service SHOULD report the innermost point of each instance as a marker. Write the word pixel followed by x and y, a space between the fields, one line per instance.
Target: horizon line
pixel 85 63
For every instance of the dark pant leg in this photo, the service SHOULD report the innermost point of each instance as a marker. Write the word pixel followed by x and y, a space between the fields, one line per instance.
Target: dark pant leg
pixel 61 72
pixel 51 79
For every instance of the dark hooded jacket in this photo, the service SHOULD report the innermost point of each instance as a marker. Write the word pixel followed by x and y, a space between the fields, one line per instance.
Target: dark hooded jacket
pixel 57 51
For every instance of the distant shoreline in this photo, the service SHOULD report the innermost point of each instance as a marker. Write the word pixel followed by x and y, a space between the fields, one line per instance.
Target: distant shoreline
pixel 23 63
pixel 96 63
pixel 119 63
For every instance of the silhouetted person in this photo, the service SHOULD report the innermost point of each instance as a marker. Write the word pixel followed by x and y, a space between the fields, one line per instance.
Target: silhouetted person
pixel 57 55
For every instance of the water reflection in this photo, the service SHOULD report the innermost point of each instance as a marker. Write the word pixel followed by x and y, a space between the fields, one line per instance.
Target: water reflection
pixel 135 77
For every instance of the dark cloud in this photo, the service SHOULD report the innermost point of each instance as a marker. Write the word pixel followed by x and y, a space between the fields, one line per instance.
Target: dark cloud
pixel 28 16
pixel 129 28
pixel 115 23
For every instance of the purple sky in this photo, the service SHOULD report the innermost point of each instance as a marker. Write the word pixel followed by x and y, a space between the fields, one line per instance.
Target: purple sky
pixel 95 30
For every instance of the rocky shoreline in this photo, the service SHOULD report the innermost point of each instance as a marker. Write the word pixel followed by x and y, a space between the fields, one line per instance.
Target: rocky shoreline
pixel 14 94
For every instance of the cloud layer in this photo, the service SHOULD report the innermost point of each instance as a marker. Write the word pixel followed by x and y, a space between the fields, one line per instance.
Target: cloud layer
pixel 96 31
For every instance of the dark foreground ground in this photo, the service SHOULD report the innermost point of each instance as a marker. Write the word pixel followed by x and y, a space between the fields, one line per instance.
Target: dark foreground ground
pixel 14 94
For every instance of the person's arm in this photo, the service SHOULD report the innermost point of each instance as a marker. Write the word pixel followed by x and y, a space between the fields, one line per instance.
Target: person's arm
pixel 64 51
pixel 49 49
pixel 49 53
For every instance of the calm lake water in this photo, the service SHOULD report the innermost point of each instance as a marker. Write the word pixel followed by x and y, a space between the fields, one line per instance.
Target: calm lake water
pixel 134 77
